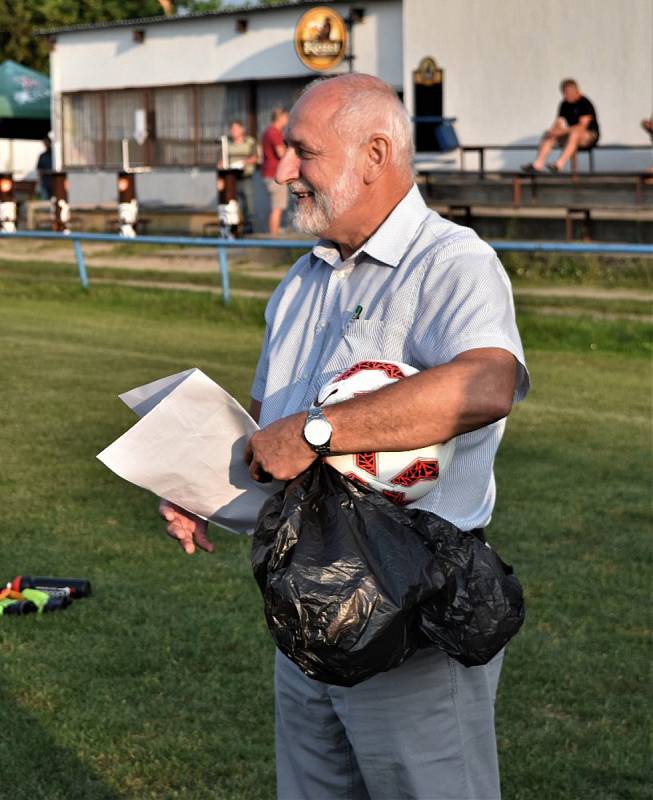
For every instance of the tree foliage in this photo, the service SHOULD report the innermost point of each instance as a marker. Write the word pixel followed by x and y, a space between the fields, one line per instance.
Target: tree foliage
pixel 20 19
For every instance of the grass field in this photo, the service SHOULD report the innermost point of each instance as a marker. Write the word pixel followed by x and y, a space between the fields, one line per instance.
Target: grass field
pixel 160 685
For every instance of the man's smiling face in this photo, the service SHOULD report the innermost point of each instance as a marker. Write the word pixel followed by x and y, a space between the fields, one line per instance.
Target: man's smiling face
pixel 319 168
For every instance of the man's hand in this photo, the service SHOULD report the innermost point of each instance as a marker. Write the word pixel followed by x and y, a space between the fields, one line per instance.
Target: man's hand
pixel 187 528
pixel 280 450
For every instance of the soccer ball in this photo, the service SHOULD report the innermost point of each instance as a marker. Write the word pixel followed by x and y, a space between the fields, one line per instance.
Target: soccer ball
pixel 402 477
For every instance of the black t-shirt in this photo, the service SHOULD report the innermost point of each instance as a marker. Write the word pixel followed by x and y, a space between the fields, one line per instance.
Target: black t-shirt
pixel 572 112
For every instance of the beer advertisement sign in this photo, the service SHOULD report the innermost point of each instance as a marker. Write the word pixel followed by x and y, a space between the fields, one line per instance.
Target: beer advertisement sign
pixel 321 38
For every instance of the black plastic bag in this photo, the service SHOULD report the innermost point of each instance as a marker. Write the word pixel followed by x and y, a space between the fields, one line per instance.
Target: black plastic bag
pixel 353 584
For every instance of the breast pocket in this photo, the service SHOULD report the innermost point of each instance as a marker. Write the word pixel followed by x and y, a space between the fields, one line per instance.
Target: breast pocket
pixel 363 340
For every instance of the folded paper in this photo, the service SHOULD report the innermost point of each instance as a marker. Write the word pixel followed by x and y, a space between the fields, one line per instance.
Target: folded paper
pixel 188 447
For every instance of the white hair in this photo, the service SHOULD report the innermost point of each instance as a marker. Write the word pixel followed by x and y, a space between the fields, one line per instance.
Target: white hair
pixel 329 203
pixel 370 105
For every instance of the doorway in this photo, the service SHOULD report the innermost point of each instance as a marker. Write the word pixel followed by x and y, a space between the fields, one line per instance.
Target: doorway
pixel 428 81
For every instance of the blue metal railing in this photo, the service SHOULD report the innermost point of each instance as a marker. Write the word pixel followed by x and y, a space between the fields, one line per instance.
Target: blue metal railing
pixel 598 248
pixel 224 245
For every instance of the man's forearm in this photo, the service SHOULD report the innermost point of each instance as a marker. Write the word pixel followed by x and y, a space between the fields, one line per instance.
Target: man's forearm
pixel 472 391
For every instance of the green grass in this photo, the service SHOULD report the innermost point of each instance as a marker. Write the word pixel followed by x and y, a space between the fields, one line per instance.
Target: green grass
pixel 585 334
pixel 160 685
pixel 587 305
pixel 577 269
pixel 35 272
pixel 39 271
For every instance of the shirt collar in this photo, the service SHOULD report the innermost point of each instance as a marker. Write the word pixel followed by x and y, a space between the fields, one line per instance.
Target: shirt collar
pixel 389 242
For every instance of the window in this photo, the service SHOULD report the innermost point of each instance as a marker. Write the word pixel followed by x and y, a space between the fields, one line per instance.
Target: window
pixel 82 137
pixel 218 105
pixel 120 124
pixel 174 126
pixel 183 123
pixel 271 94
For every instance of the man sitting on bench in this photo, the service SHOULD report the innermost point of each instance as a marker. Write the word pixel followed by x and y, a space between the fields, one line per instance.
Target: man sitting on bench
pixel 575 128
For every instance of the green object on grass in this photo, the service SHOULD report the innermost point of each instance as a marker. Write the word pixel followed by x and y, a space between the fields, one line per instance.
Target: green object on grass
pixel 4 603
pixel 37 597
pixel 10 606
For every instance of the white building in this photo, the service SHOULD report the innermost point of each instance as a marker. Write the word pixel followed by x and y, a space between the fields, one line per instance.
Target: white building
pixel 185 77
pixel 504 60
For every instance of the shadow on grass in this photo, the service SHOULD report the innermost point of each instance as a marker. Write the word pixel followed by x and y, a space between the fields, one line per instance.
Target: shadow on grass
pixel 34 765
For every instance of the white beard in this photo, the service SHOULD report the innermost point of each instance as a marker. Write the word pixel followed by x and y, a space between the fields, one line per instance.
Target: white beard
pixel 317 214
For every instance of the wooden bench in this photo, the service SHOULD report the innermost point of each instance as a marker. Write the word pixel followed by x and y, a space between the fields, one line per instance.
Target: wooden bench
pixel 481 149
pixel 573 221
pixel 620 184
pixel 576 196
pixel 503 187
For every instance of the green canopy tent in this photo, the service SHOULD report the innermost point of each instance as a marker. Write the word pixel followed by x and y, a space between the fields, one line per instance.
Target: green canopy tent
pixel 24 102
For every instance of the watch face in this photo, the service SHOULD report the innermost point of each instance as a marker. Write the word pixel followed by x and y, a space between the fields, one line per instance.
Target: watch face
pixel 317 432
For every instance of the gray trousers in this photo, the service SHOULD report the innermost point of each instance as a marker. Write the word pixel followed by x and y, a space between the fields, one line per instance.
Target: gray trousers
pixel 423 731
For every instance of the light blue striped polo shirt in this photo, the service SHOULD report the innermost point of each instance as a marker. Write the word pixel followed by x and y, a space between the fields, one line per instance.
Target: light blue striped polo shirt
pixel 429 290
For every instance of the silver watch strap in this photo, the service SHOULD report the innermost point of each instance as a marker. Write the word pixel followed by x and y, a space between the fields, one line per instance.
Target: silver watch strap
pixel 315 412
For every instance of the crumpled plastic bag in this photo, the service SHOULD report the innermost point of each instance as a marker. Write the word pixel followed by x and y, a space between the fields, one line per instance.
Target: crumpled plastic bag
pixel 353 584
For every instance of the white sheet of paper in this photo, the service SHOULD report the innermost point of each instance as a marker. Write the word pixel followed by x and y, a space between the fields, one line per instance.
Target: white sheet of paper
pixel 188 447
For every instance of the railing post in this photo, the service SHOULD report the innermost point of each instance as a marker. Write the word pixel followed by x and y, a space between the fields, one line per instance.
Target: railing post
pixel 224 270
pixel 81 264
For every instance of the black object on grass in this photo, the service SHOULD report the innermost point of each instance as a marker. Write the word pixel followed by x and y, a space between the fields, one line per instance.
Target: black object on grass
pixel 72 587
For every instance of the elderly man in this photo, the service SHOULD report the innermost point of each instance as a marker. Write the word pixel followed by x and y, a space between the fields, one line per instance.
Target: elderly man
pixel 388 279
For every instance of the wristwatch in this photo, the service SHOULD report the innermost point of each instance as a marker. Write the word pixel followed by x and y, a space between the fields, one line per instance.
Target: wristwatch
pixel 318 431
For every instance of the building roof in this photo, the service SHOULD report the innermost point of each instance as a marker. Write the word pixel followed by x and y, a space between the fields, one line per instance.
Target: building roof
pixel 142 21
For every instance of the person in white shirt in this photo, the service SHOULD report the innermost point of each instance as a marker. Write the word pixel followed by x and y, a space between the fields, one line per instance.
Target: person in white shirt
pixel 388 279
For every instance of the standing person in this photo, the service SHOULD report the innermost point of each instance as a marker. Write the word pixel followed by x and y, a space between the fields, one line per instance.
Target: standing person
pixel 243 154
pixel 388 279
pixel 44 168
pixel 274 148
pixel 575 126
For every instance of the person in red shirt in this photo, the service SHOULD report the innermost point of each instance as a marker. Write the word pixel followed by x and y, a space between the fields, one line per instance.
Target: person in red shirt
pixel 274 147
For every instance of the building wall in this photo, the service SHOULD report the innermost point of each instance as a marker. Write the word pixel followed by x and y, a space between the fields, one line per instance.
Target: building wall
pixel 190 189
pixel 19 156
pixel 204 51
pixel 209 50
pixel 503 61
